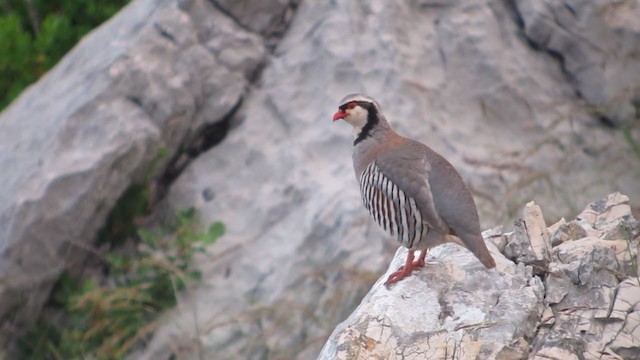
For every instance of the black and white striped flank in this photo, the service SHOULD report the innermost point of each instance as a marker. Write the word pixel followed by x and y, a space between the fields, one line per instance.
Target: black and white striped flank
pixel 391 208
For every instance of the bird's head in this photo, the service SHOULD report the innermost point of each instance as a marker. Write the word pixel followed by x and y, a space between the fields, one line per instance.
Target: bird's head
pixel 361 112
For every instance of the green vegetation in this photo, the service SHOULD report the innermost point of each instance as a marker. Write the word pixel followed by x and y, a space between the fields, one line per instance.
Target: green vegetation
pixel 132 205
pixel 35 34
pixel 106 319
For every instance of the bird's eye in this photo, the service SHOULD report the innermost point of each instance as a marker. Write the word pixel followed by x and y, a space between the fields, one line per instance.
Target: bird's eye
pixel 351 105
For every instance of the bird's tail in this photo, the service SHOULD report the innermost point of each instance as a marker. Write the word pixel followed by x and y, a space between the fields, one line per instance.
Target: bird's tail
pixel 475 244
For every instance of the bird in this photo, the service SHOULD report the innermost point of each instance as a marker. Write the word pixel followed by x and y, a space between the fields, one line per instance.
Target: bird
pixel 410 190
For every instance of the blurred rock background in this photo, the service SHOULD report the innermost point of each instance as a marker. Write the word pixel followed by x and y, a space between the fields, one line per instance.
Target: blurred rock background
pixel 530 100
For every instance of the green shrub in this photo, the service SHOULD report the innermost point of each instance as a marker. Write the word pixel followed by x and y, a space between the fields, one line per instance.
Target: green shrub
pixel 106 319
pixel 132 205
pixel 35 34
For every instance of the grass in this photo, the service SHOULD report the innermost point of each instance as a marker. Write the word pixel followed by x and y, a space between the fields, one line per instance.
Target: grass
pixel 106 319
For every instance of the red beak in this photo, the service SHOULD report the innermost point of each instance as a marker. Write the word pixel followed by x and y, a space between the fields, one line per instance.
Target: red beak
pixel 339 115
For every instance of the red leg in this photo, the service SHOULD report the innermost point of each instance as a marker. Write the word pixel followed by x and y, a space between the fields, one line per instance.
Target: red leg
pixel 420 263
pixel 407 268
pixel 403 272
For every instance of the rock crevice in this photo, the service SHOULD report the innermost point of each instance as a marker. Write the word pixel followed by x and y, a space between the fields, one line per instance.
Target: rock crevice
pixel 159 75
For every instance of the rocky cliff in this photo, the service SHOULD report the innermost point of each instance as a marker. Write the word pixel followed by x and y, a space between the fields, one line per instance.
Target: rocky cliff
pixel 528 99
pixel 570 291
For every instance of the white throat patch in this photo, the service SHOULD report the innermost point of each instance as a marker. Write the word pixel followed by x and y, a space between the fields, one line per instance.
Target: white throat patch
pixel 356 117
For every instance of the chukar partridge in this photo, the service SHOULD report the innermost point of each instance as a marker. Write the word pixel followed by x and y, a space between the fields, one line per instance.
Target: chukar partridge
pixel 411 191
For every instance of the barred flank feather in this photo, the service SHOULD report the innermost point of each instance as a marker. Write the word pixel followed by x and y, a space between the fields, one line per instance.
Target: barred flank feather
pixel 391 208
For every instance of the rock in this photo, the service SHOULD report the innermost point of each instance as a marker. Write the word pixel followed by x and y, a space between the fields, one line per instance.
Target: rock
pixel 567 232
pixel 507 123
pixel 584 35
pixel 627 299
pixel 162 72
pixel 556 353
pixel 152 77
pixel 537 233
pixel 557 286
pixel 586 258
pixel 553 228
pixel 547 318
pixel 274 290
pixel 585 327
pixel 455 306
pixel 268 17
pixel 609 210
pixel 530 242
pixel 496 236
pixel 615 220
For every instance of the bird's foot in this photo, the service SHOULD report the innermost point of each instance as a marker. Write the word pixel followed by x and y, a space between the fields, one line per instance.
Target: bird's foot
pixel 397 276
pixel 414 265
pixel 406 270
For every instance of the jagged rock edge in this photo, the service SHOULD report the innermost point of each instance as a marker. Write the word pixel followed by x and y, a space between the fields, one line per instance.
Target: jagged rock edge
pixel 558 57
pixel 214 132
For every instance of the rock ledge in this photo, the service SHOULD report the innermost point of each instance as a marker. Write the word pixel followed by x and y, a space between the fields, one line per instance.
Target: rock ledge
pixel 576 296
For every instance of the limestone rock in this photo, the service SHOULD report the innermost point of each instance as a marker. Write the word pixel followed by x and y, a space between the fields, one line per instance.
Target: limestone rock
pixel 268 17
pixel 567 232
pixel 600 215
pixel 593 39
pixel 611 217
pixel 71 144
pixel 593 289
pixel 530 242
pixel 537 232
pixel 456 308
pixel 553 228
pixel 594 323
pixel 496 236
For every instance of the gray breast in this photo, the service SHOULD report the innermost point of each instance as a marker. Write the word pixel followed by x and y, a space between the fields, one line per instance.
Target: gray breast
pixel 391 208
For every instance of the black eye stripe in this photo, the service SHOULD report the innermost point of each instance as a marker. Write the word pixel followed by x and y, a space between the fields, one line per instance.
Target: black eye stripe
pixel 364 104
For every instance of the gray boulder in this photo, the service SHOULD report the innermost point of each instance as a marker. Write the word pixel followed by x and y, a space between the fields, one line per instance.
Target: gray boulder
pixel 152 77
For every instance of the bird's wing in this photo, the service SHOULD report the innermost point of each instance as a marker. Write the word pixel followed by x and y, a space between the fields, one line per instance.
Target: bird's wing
pixel 407 167
pixel 454 203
